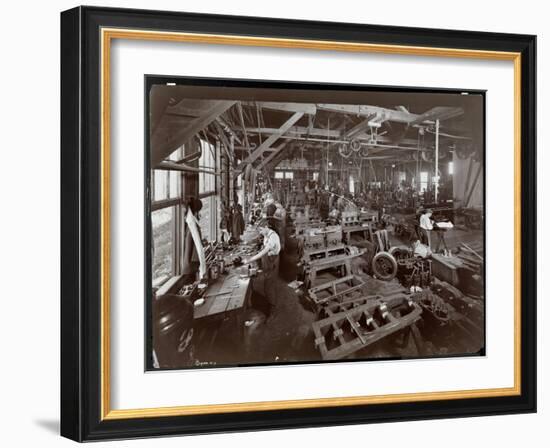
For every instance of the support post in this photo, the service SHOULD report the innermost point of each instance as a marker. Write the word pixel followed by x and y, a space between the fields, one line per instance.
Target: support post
pixel 436 191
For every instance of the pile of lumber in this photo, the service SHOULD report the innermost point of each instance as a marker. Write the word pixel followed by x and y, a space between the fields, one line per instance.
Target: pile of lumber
pixel 471 272
pixel 471 257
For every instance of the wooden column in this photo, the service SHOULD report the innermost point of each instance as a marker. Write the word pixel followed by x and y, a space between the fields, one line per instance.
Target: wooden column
pixel 436 190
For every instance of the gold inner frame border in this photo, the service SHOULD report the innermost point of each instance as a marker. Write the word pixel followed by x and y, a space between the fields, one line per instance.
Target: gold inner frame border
pixel 109 34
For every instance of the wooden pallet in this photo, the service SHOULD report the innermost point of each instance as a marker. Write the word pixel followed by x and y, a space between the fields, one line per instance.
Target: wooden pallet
pixel 341 260
pixel 315 254
pixel 339 290
pixel 335 307
pixel 343 333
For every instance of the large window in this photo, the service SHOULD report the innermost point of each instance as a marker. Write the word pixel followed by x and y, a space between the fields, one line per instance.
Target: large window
pixel 166 188
pixel 207 182
pixel 207 191
pixel 161 186
pixel 284 175
pixel 163 245
pixel 167 184
pixel 167 216
pixel 208 218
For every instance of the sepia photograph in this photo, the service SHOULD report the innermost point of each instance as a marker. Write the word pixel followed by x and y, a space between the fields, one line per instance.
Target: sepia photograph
pixel 291 223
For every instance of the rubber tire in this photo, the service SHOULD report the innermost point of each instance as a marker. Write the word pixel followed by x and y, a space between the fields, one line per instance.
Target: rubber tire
pixel 383 275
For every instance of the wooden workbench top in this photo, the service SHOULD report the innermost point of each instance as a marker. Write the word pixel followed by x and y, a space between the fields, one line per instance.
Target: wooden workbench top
pixel 227 293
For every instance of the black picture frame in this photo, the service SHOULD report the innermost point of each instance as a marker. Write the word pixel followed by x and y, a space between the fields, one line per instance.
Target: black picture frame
pixel 81 224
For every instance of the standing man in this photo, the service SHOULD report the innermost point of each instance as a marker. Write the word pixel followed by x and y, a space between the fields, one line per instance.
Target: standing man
pixel 269 256
pixel 426 227
pixel 237 226
pixel 226 222
pixel 194 259
pixel 276 216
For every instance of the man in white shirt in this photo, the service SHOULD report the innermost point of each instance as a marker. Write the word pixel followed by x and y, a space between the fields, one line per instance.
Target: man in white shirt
pixel 269 256
pixel 426 227
pixel 271 244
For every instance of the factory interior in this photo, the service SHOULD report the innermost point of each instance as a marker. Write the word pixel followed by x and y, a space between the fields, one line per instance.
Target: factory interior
pixel 293 225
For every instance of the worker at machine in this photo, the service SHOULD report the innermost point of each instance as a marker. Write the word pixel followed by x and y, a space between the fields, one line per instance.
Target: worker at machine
pixel 426 227
pixel 194 259
pixel 331 199
pixel 266 293
pixel 237 225
pixel 226 222
pixel 334 216
pixel 273 208
pixel 382 238
pixel 342 203
pixel 380 205
pixel 276 214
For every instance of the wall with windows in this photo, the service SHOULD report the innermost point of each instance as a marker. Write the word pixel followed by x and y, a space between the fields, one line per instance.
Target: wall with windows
pixel 209 215
pixel 169 192
pixel 284 175
pixel 166 194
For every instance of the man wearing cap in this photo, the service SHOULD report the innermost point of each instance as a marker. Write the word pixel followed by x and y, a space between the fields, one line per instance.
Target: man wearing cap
pixel 269 256
pixel 426 227
pixel 276 215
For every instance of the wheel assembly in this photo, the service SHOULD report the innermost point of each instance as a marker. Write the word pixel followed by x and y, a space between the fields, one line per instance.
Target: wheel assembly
pixel 384 266
pixel 400 253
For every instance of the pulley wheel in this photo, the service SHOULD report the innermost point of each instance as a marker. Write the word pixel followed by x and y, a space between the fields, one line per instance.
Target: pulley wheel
pixel 355 145
pixel 384 266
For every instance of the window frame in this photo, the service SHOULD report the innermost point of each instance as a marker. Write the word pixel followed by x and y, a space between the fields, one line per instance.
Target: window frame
pixel 177 215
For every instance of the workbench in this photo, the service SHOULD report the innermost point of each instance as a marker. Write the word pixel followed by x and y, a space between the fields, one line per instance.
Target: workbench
pixel 226 299
pixel 446 268
pixel 365 230
pixel 227 294
pixel 341 261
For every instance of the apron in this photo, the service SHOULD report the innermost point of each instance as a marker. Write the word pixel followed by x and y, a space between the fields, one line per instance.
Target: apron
pixel 270 264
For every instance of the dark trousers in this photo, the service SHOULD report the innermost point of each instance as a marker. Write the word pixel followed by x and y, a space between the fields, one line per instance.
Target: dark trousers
pixel 426 237
pixel 264 296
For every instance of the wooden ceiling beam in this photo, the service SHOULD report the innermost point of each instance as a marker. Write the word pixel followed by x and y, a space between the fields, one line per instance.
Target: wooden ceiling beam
pixel 162 146
pixel 297 130
pixel 266 144
pixel 228 128
pixel 271 156
pixel 286 107
pixel 438 113
pixel 398 116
